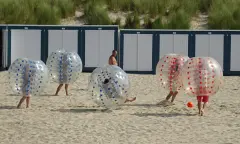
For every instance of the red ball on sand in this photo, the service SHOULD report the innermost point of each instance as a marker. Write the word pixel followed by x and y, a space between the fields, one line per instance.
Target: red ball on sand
pixel 190 104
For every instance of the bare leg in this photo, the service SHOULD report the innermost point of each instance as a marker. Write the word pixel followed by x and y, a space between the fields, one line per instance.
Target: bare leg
pixel 169 95
pixel 66 89
pixel 130 100
pixel 166 100
pixel 21 101
pixel 199 107
pixel 174 96
pixel 58 89
pixel 202 111
pixel 27 101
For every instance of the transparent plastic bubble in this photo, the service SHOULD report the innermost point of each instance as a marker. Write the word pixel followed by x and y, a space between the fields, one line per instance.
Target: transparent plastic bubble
pixel 167 71
pixel 109 86
pixel 27 77
pixel 201 76
pixel 64 67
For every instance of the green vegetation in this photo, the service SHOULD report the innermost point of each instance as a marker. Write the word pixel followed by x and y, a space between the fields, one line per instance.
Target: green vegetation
pixel 224 14
pixel 96 14
pixel 35 11
pixel 149 14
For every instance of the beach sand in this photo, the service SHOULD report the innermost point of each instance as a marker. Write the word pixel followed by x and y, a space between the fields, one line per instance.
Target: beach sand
pixel 76 119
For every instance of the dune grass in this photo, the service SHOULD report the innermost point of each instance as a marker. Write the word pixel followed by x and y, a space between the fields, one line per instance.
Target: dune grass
pixel 158 14
pixel 224 15
pixel 95 13
pixel 35 11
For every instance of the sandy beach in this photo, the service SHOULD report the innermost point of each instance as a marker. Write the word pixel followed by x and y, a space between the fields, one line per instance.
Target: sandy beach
pixel 76 119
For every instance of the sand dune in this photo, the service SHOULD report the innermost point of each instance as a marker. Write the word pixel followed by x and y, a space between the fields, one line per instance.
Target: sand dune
pixel 76 119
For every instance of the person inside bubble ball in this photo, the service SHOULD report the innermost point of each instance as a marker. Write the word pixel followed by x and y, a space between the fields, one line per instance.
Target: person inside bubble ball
pixel 111 89
pixel 26 87
pixel 106 87
pixel 202 91
pixel 174 72
pixel 63 79
pixel 112 61
pixel 202 100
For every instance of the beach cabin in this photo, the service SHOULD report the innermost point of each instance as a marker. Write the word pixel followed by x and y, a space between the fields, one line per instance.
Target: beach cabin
pixel 94 44
pixel 138 50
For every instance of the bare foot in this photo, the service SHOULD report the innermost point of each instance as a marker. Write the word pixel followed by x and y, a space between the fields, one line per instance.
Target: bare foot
pixel 18 107
pixel 162 102
pixel 133 99
pixel 169 103
pixel 202 112
pixel 130 100
pixel 172 103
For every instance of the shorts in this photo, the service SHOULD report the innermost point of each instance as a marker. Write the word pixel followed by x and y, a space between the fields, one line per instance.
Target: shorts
pixel 202 99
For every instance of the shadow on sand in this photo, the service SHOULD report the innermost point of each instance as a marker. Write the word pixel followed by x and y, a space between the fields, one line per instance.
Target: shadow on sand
pixel 162 114
pixel 79 89
pixel 39 95
pixel 49 95
pixel 84 110
pixel 143 105
pixel 12 95
pixel 7 107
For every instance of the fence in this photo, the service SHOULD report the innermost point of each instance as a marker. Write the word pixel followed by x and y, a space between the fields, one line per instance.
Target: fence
pixel 139 50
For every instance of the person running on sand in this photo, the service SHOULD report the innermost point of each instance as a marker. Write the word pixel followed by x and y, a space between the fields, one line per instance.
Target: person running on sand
pixel 202 92
pixel 26 87
pixel 63 79
pixel 202 99
pixel 112 61
pixel 173 92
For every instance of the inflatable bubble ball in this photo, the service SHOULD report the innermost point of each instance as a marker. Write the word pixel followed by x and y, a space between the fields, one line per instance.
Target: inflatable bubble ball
pixel 167 71
pixel 27 77
pixel 201 76
pixel 64 67
pixel 109 86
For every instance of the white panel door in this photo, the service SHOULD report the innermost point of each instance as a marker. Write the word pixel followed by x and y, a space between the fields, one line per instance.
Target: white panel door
pixel 130 46
pixel 92 48
pixel 181 44
pixel 17 44
pixel 166 44
pixel 202 45
pixel 144 52
pixel 235 51
pixel 216 47
pixel 106 46
pixel 26 44
pixel 32 44
pixel 55 40
pixel 70 40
